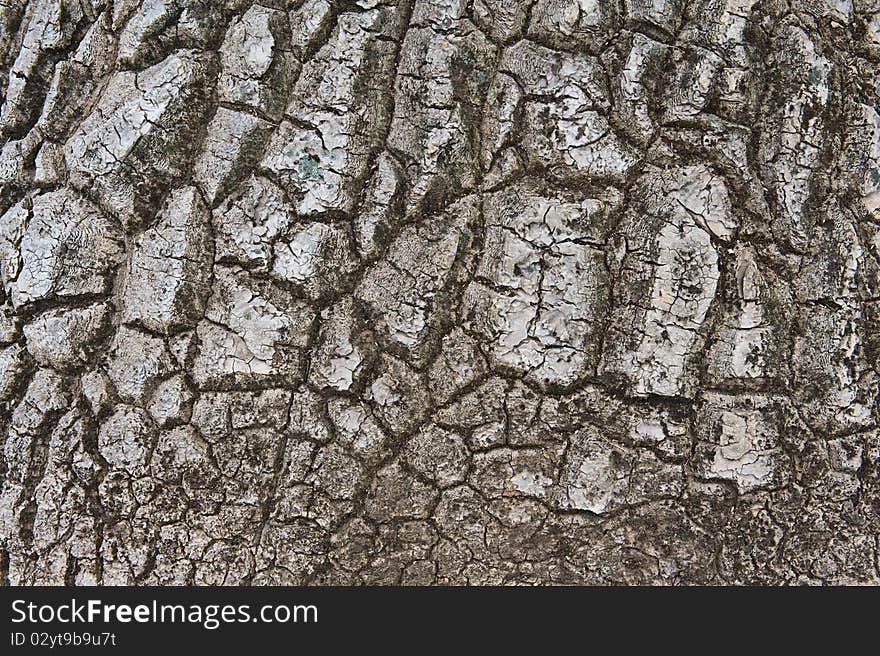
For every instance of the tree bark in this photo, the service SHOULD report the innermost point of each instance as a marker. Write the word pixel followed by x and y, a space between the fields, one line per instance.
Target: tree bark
pixel 435 291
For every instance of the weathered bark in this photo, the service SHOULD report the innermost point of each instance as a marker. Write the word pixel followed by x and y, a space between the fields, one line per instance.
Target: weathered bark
pixel 438 291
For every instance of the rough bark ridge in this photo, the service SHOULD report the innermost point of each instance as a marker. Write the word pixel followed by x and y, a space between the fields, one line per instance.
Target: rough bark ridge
pixel 485 291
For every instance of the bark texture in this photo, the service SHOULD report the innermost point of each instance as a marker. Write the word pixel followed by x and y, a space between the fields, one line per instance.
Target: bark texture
pixel 439 291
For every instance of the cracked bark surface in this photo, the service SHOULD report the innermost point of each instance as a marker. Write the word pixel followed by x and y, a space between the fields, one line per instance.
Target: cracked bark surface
pixel 439 291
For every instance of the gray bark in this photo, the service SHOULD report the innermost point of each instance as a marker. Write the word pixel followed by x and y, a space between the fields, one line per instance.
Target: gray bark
pixel 439 291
